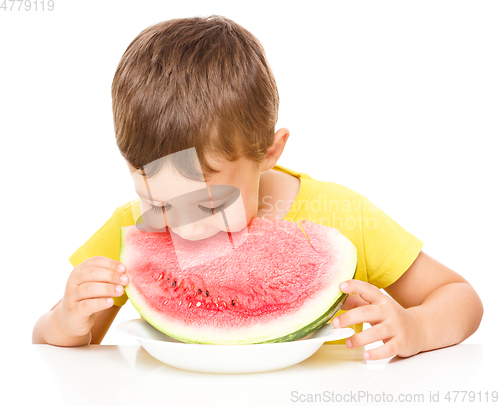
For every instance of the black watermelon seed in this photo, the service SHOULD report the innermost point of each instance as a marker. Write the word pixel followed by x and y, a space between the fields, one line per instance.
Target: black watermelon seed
pixel 199 291
pixel 207 292
pixel 233 303
pixel 173 284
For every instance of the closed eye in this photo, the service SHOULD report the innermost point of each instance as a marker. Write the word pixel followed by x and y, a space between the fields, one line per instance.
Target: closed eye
pixel 216 209
pixel 158 209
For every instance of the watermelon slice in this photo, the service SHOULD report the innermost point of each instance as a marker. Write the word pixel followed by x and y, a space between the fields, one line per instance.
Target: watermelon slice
pixel 279 284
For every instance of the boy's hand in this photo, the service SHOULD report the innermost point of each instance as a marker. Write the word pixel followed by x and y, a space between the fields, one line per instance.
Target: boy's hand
pixel 89 290
pixel 396 326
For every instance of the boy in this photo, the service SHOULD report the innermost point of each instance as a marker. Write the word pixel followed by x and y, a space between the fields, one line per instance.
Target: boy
pixel 204 85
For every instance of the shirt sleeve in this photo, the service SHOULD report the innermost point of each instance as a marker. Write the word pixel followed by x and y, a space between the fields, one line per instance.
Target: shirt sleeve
pixel 389 250
pixel 105 243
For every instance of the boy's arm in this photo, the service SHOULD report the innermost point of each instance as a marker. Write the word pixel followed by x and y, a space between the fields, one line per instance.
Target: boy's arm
pixel 102 323
pixel 447 306
pixel 430 306
pixel 49 323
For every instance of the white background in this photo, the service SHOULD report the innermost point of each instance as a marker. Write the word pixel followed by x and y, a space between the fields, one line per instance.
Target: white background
pixel 396 100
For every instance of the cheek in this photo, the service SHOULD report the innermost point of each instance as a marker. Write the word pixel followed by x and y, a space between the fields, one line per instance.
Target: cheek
pixel 236 216
pixel 152 218
pixel 251 201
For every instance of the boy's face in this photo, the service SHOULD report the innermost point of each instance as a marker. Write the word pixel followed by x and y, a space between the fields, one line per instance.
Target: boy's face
pixel 193 210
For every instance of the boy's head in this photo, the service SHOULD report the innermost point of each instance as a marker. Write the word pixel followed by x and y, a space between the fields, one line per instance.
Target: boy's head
pixel 202 83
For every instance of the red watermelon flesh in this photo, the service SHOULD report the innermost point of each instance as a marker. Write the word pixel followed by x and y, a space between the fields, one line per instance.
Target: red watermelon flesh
pixel 276 285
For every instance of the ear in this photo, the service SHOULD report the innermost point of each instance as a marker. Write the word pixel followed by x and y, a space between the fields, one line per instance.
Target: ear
pixel 275 151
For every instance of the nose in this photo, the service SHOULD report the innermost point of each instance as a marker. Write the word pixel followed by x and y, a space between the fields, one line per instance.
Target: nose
pixel 190 231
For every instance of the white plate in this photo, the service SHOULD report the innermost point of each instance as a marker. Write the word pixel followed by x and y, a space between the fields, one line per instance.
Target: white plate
pixel 229 358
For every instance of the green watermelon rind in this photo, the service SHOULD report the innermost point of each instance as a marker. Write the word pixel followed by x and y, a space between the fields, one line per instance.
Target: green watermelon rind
pixel 316 324
pixel 297 334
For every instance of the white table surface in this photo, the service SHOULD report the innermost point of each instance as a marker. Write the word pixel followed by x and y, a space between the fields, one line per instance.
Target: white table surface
pixel 128 375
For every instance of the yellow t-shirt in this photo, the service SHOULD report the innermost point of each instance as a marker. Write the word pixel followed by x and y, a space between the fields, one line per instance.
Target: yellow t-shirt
pixel 385 249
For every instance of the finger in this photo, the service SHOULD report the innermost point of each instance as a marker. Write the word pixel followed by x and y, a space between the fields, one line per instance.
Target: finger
pixel 367 292
pixel 94 290
pixel 365 314
pixel 387 350
pixel 103 262
pixel 98 274
pixel 88 307
pixel 373 334
pixel 353 301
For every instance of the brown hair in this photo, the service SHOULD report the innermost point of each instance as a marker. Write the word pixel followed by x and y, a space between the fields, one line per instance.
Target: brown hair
pixel 200 82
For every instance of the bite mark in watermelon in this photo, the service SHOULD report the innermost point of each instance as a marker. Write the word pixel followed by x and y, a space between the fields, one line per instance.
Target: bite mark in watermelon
pixel 276 286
